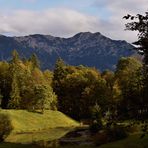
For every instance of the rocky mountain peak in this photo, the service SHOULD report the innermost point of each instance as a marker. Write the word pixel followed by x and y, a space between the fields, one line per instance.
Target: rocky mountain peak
pixel 85 48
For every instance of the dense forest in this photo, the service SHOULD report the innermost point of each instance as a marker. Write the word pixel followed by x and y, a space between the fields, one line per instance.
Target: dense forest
pixel 74 90
pixel 24 86
pixel 80 89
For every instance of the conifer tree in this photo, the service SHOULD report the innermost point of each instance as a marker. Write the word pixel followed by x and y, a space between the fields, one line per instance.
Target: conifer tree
pixel 35 61
pixel 15 56
pixel 15 94
pixel 59 71
pixel 16 72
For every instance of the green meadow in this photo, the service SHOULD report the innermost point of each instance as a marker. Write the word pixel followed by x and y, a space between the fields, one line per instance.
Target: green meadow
pixel 29 127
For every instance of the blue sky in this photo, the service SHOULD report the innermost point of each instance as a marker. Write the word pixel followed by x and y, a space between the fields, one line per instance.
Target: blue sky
pixel 67 17
pixel 44 4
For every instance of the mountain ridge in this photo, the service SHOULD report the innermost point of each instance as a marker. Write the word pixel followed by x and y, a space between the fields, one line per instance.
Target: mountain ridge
pixel 84 48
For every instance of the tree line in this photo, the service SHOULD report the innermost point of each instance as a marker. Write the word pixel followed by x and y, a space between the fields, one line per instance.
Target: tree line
pixel 80 89
pixel 74 90
pixel 24 86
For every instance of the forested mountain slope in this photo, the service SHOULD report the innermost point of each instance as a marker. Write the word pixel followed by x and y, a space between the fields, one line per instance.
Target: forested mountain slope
pixel 89 49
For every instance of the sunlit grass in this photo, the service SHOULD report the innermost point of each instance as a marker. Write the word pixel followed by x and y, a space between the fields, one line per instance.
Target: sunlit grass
pixel 29 126
pixel 47 135
pixel 24 121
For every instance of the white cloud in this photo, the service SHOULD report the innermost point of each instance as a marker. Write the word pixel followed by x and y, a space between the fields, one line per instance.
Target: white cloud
pixel 115 10
pixel 59 22
pixel 66 22
pixel 125 6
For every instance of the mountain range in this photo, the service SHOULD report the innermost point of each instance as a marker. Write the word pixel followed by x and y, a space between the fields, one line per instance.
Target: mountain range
pixel 85 48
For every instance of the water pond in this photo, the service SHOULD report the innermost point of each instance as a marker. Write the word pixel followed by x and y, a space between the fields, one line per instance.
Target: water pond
pixel 52 138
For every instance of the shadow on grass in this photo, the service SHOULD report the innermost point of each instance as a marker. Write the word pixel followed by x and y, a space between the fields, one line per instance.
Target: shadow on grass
pixel 15 145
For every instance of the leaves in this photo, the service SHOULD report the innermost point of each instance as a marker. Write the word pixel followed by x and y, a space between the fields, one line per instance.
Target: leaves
pixel 28 87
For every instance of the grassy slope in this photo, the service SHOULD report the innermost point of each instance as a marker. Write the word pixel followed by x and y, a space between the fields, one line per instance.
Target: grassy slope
pixel 24 121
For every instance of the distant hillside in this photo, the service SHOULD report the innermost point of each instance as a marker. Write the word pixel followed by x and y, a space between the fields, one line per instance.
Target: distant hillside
pixel 89 49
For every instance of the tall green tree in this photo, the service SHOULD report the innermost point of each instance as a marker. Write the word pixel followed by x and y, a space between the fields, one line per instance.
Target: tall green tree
pixel 14 102
pixel 129 78
pixel 45 98
pixel 34 60
pixel 140 23
pixel 0 98
pixel 15 56
pixel 16 71
pixel 37 92
pixel 78 89
pixel 5 83
pixel 59 70
pixel 24 86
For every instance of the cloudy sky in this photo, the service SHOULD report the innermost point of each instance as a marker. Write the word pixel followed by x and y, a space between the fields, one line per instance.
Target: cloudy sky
pixel 65 18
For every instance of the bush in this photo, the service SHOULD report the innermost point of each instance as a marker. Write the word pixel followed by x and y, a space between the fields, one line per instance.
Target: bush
pixel 5 126
pixel 116 132
pixel 111 134
pixel 100 138
pixel 95 126
pixel 132 128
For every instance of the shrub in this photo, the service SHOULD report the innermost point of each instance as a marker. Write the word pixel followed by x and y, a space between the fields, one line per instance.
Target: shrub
pixel 132 128
pixel 111 133
pixel 100 138
pixel 5 126
pixel 95 126
pixel 116 132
